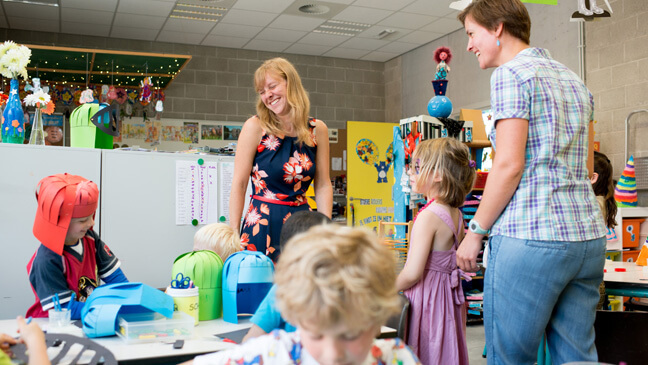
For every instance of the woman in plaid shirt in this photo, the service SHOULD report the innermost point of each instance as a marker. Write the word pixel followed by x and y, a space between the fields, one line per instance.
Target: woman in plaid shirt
pixel 547 245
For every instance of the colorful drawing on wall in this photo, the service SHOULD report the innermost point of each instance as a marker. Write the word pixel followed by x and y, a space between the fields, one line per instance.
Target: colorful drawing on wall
pixel 190 132
pixel 172 133
pixel 153 131
pixel 369 200
pixel 134 130
pixel 369 153
pixel 211 131
pixel 231 132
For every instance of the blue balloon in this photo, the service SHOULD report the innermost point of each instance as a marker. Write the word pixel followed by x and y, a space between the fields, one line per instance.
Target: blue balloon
pixel 439 106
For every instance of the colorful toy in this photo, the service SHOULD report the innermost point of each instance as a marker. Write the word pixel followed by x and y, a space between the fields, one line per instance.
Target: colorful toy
pixel 625 192
pixel 440 106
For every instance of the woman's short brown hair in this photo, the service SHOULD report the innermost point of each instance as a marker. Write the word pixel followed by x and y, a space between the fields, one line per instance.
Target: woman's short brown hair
pixel 490 13
pixel 449 160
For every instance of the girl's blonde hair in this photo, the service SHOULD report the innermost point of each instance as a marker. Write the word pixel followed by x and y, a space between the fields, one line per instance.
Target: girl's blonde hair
pixel 332 275
pixel 449 160
pixel 217 237
pixel 296 97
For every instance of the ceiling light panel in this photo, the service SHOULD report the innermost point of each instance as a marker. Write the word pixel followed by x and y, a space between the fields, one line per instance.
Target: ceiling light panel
pixel 52 3
pixel 208 12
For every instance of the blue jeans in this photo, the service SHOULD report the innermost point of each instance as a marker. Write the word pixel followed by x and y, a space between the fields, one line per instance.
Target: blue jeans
pixel 533 287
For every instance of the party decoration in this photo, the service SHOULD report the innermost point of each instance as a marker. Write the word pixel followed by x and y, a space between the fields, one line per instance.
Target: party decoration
pixel 112 93
pixel 121 95
pixel 440 106
pixel 103 98
pixel 145 95
pixel 625 192
pixel 66 96
pixel 86 97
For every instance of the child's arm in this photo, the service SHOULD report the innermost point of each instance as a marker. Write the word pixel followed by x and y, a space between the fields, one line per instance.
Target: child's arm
pixel 107 263
pixel 34 339
pixel 420 245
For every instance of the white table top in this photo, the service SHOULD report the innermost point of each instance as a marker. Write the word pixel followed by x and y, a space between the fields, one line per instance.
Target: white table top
pixel 633 274
pixel 202 341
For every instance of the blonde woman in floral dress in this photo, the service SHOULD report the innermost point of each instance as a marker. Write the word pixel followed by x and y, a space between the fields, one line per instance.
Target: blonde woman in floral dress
pixel 283 150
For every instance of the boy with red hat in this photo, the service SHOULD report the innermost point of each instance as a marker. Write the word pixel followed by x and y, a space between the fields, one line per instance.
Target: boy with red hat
pixel 71 257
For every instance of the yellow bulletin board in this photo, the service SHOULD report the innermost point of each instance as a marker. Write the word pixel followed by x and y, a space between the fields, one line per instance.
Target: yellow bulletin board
pixel 370 173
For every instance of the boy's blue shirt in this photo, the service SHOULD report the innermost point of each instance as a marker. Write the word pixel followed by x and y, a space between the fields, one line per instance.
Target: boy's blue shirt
pixel 268 317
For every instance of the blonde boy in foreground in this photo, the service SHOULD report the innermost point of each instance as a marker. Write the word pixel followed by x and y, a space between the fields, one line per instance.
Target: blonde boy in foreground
pixel 337 285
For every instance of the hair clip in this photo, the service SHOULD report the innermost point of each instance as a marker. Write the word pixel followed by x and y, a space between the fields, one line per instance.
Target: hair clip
pixel 472 164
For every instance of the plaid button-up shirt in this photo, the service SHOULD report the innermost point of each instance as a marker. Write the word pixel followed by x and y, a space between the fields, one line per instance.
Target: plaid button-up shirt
pixel 554 200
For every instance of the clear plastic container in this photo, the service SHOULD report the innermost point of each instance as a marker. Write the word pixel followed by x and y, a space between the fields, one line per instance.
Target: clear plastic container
pixel 154 327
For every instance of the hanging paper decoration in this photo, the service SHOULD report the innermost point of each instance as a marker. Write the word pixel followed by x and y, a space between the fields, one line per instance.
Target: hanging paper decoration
pixel 104 94
pixel 159 96
pixel 66 96
pixel 86 97
pixel 625 192
pixel 112 93
pixel 133 94
pixel 121 95
pixel 77 95
pixel 145 95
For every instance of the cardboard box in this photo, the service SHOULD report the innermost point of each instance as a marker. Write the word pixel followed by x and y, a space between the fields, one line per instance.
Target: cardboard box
pixel 479 132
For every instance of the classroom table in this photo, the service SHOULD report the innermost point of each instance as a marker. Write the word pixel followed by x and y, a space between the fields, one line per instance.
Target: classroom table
pixel 204 340
pixel 633 282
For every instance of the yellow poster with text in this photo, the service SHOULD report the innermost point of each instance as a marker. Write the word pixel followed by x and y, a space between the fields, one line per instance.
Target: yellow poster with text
pixel 370 174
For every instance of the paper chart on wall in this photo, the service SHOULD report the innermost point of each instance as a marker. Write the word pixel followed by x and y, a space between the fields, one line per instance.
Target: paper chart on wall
pixel 226 178
pixel 196 192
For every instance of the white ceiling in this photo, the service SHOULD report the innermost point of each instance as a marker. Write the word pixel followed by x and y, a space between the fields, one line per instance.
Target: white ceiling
pixel 266 25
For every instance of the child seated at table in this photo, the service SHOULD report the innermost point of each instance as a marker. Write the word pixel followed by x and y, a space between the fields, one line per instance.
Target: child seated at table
pixel 267 317
pixel 33 338
pixel 72 259
pixel 217 237
pixel 337 284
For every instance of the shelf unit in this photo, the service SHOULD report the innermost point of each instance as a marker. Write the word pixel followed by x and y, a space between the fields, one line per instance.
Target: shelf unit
pixel 617 246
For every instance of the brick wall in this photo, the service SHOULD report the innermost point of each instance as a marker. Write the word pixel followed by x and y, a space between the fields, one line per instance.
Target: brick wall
pixel 217 83
pixel 616 59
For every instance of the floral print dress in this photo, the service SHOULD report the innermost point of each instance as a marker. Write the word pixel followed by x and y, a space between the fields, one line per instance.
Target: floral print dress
pixel 282 171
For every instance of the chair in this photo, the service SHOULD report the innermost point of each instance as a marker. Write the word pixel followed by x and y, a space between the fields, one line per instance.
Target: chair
pixel 399 246
pixel 65 342
pixel 400 321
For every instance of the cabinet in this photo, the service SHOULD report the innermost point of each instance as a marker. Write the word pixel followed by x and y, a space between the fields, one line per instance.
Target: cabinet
pixel 617 246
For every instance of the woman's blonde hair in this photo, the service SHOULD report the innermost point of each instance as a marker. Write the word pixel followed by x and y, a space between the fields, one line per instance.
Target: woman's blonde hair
pixel 490 13
pixel 332 275
pixel 217 237
pixel 296 95
pixel 449 160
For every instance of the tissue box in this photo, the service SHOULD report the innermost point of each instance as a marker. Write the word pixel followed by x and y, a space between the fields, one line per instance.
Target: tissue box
pixel 153 327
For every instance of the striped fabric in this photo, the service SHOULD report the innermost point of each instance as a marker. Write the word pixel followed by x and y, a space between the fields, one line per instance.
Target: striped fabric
pixel 554 200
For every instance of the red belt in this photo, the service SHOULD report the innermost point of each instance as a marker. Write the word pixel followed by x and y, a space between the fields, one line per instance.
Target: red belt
pixel 280 202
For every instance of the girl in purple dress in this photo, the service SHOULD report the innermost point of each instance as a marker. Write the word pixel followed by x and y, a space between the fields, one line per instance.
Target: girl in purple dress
pixel 283 151
pixel 443 172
